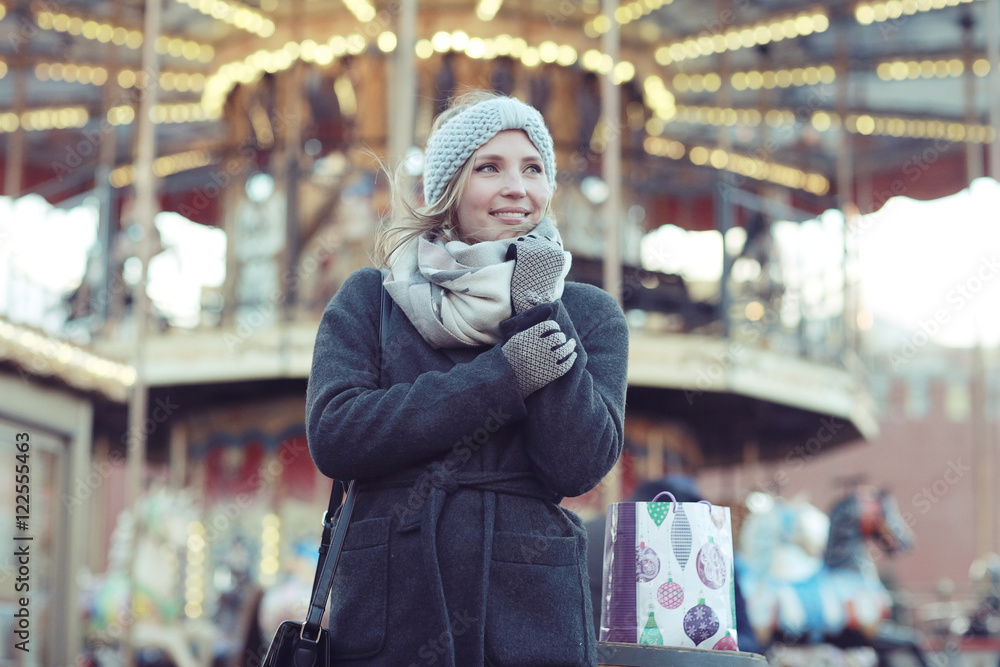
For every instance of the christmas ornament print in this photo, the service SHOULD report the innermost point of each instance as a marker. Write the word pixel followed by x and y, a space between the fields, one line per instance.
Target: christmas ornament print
pixel 700 622
pixel 711 564
pixel 680 537
pixel 647 563
pixel 658 512
pixel 727 643
pixel 651 634
pixel 670 595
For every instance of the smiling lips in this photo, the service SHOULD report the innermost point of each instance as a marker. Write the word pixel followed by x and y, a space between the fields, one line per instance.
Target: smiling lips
pixel 510 216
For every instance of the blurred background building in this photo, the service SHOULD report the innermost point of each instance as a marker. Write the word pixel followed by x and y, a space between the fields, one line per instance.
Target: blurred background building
pixel 186 184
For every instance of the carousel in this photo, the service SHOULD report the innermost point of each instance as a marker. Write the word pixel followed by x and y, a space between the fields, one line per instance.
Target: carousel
pixel 705 151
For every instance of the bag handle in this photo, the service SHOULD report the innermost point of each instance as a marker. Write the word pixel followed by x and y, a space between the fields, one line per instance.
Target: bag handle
pixel 332 542
pixel 673 498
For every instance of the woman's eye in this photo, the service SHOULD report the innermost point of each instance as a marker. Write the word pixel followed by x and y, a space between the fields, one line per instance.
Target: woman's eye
pixel 534 168
pixel 487 168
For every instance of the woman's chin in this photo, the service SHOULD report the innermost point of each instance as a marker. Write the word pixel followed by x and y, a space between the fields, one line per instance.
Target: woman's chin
pixel 511 233
pixel 502 232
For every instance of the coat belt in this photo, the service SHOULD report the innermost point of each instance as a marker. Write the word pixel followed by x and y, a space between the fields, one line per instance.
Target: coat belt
pixel 440 482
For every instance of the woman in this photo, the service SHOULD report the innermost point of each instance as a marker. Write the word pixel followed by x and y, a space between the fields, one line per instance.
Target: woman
pixel 501 390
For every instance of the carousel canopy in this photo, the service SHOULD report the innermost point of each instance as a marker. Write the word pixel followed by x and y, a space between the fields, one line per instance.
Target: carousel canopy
pixel 771 92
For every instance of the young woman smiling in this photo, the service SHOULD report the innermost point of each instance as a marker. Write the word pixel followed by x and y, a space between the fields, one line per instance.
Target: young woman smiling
pixel 502 391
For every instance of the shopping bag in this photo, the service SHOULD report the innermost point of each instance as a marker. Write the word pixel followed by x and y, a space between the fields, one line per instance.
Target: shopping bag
pixel 668 575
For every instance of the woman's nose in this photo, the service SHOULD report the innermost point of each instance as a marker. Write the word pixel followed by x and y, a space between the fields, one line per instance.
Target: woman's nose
pixel 513 186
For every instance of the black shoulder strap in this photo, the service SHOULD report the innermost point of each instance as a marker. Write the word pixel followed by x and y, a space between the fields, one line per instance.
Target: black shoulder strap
pixel 332 542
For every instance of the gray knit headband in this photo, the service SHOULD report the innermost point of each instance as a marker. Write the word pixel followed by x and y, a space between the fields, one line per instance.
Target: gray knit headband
pixel 460 136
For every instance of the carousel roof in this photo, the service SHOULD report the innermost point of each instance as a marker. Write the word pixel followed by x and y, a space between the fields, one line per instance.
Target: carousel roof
pixel 762 90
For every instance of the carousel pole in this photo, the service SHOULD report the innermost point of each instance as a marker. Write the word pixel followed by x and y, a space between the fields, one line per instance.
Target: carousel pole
pixel 12 178
pixel 973 150
pixel 145 211
pixel 403 93
pixel 845 196
pixel 993 56
pixel 725 214
pixel 108 147
pixel 983 460
pixel 611 164
pixel 611 172
pixel 993 88
pixel 290 148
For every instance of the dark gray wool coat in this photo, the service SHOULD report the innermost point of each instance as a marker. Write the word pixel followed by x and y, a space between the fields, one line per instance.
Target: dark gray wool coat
pixel 458 553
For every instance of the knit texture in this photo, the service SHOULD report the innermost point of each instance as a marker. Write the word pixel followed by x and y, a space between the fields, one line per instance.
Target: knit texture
pixel 539 355
pixel 460 136
pixel 538 269
pixel 455 293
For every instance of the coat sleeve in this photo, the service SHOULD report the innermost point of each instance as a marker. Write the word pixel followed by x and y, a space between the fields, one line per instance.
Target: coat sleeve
pixel 574 432
pixel 357 430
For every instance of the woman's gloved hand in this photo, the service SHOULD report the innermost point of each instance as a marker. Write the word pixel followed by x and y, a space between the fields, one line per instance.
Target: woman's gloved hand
pixel 539 355
pixel 538 263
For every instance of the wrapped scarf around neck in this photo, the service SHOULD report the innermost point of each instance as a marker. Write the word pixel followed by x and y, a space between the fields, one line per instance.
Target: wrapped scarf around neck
pixel 456 294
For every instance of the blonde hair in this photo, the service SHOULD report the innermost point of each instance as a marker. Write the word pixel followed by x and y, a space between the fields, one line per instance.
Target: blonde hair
pixel 407 219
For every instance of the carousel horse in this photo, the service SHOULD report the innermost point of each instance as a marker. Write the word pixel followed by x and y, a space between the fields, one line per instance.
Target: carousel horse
pixel 811 580
pixel 148 547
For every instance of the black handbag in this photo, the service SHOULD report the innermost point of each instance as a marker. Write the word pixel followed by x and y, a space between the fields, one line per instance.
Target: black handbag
pixel 307 644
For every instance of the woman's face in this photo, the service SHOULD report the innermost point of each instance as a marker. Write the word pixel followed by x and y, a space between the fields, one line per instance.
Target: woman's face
pixel 507 192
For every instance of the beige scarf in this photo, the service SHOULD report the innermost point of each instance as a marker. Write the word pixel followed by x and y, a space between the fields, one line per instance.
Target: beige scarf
pixel 456 294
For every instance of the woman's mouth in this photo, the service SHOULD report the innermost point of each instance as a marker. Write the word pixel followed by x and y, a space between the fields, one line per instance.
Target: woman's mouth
pixel 510 217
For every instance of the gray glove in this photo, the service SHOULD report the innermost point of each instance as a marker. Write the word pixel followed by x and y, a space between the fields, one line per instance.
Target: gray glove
pixel 539 355
pixel 538 263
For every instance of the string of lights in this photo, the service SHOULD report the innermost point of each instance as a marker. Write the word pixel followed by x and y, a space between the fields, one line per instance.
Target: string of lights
pixel 738 163
pixel 239 16
pixel 773 29
pixel 131 38
pixel 165 165
pixel 867 13
pixel 901 70
pixel 624 14
pixel 51 118
pixel 74 364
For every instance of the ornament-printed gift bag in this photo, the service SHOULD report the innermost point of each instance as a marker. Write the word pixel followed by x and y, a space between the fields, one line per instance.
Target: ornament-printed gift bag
pixel 668 575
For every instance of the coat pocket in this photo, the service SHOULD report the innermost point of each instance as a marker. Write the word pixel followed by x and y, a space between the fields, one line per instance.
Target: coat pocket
pixel 359 597
pixel 535 609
